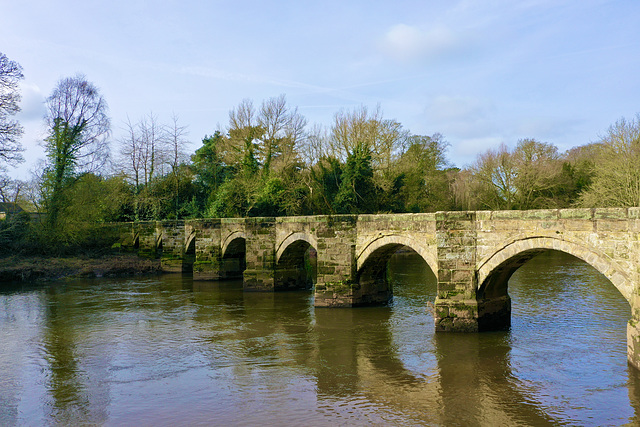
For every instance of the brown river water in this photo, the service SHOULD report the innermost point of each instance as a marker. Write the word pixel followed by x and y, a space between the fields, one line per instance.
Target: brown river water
pixel 170 351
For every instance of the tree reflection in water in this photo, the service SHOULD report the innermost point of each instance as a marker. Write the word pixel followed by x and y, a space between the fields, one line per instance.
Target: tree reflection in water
pixel 173 350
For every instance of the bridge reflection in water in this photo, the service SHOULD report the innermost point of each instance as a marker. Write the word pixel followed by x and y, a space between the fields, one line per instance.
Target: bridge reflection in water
pixel 344 258
pixel 174 350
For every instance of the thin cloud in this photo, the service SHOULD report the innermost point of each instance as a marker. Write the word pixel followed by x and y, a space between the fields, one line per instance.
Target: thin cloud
pixel 407 43
pixel 32 103
pixel 461 116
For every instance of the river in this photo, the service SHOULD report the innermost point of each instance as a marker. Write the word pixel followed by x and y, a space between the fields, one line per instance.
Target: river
pixel 171 351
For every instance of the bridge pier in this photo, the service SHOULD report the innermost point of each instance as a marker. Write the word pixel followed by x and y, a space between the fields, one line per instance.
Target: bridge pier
pixel 208 256
pixel 460 305
pixel 335 285
pixel 146 239
pixel 456 307
pixel 172 235
pixel 633 333
pixel 259 274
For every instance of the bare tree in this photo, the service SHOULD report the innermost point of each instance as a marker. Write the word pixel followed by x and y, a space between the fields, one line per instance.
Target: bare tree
pixel 10 189
pixel 78 123
pixel 244 133
pixel 273 119
pixel 176 140
pixel 131 152
pixel 152 145
pixel 34 193
pixel 283 133
pixel 538 168
pixel 144 149
pixel 494 178
pixel 616 181
pixel 314 146
pixel 10 130
pixel 271 134
pixel 386 139
pixel 78 127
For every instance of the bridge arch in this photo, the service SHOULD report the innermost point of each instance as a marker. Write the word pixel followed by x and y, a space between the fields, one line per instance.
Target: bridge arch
pixel 296 262
pixel 372 261
pixel 392 242
pixel 189 256
pixel 233 252
pixel 293 238
pixel 230 238
pixel 158 243
pixel 494 271
pixel 190 242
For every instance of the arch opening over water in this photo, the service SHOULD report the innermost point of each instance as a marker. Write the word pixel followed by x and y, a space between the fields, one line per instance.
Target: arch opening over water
pixel 495 273
pixel 189 255
pixel 557 297
pixel 296 265
pixel 374 275
pixel 234 261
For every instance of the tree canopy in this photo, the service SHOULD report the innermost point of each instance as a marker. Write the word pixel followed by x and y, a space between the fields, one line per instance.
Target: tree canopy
pixel 78 127
pixel 10 129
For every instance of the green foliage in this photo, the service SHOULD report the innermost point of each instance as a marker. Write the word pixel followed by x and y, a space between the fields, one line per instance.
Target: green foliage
pixel 357 192
pixel 269 198
pixel 230 201
pixel 166 197
pixel 14 230
pixel 531 176
pixel 255 170
pixel 325 178
pixel 367 165
pixel 62 148
pixel 78 125
pixel 90 201
pixel 423 183
pixel 207 164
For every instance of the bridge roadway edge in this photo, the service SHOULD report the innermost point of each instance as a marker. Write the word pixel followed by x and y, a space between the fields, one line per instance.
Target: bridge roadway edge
pixel 472 254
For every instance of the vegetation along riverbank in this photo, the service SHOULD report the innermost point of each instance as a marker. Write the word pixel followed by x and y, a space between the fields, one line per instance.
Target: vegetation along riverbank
pixel 268 161
pixel 42 268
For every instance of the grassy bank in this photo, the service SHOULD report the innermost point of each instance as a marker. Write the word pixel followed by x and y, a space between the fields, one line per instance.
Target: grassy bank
pixel 20 268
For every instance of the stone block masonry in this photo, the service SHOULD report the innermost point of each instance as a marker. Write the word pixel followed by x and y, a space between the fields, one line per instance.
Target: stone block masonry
pixel 473 255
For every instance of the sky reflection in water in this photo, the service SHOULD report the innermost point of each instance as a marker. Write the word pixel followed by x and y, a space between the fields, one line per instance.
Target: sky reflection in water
pixel 169 350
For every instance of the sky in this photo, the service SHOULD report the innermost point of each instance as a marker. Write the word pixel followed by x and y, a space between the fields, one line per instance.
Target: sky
pixel 481 73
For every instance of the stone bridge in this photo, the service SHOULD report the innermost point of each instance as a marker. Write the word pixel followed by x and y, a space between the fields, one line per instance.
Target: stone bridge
pixel 343 258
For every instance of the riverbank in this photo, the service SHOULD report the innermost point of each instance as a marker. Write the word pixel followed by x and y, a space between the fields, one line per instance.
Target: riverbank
pixel 16 268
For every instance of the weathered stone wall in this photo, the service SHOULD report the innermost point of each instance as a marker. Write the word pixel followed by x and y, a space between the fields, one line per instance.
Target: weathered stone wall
pixel 378 237
pixel 607 239
pixel 260 254
pixel 417 231
pixel 456 306
pixel 472 253
pixel 294 228
pixel 336 237
pixel 146 238
pixel 232 248
pixel 173 245
pixel 206 233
